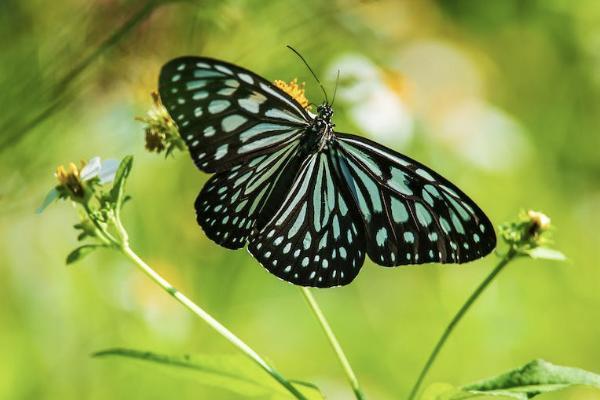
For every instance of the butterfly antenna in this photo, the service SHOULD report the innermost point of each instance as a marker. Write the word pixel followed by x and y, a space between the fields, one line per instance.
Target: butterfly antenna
pixel 311 71
pixel 337 80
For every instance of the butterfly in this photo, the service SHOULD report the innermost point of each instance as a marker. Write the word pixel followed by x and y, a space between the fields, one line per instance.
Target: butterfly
pixel 310 202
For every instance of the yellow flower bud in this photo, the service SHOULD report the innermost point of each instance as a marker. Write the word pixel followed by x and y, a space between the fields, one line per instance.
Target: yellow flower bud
pixel 540 220
pixel 295 90
pixel 69 180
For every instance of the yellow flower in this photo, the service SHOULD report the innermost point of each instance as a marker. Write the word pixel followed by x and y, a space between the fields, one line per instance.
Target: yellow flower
pixel 398 83
pixel 295 91
pixel 70 179
pixel 77 183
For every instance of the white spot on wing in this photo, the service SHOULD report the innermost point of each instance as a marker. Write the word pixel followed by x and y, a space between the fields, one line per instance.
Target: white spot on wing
pixel 192 85
pixel 207 74
pixel 246 78
pixel 232 122
pixel 209 131
pixel 263 142
pixel 424 174
pixel 221 152
pixel 228 91
pixel 217 106
pixel 249 105
pixel 381 236
pixel 261 128
pixel 276 113
pixel 224 69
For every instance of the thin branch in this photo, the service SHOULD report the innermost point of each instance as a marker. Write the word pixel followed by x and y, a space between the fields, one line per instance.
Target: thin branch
pixel 337 348
pixel 509 256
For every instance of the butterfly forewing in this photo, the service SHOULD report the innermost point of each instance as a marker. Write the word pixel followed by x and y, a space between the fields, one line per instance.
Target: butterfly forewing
pixel 314 239
pixel 226 114
pixel 411 215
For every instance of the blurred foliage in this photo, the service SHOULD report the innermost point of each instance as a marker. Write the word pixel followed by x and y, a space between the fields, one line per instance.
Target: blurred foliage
pixel 501 97
pixel 534 378
pixel 235 373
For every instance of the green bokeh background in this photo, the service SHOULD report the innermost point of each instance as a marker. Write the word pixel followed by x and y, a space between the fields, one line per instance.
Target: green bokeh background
pixel 69 93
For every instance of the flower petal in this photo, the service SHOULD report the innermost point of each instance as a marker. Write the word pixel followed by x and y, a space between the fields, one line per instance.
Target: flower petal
pixel 90 170
pixel 108 170
pixel 49 199
pixel 545 253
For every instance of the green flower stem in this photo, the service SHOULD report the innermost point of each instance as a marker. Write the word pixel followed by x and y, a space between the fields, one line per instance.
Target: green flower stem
pixel 334 343
pixel 213 323
pixel 508 257
pixel 101 232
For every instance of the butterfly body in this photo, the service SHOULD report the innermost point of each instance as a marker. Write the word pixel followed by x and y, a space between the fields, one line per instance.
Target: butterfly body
pixel 320 131
pixel 311 203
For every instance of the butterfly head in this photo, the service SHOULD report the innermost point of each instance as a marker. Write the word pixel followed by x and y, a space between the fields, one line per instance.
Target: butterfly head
pixel 322 122
pixel 325 112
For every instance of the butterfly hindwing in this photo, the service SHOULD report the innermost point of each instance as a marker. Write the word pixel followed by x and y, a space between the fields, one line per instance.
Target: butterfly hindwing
pixel 231 202
pixel 226 114
pixel 411 215
pixel 314 239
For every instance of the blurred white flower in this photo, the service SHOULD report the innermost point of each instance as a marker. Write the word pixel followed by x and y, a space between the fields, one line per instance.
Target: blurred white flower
pixel 374 106
pixel 449 97
pixel 440 74
pixel 482 134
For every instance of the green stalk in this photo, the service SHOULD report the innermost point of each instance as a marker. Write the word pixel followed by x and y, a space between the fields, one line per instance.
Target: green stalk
pixel 210 320
pixel 123 246
pixel 509 256
pixel 101 233
pixel 334 343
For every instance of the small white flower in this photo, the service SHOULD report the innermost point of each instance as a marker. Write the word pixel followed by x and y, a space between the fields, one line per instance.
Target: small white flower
pixel 482 134
pixel 90 170
pixel 448 89
pixel 108 171
pixel 104 170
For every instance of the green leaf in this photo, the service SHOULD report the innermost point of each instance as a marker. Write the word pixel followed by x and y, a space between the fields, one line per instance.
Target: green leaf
pixel 537 377
pixel 116 192
pixel 309 390
pixel 81 252
pixel 49 199
pixel 545 253
pixel 235 373
pixel 440 391
pixel 523 383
